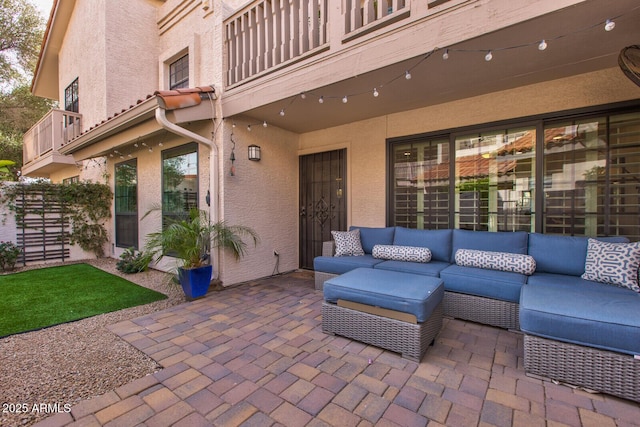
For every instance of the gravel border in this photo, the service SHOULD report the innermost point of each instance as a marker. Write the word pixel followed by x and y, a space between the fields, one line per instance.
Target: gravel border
pixel 68 363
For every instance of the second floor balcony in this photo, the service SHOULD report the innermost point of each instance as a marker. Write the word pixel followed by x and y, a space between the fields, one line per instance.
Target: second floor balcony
pixel 42 142
pixel 330 52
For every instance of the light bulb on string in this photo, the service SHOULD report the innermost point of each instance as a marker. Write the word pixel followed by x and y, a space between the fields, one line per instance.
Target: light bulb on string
pixel 264 124
pixel 303 95
pixel 445 55
pixel 609 25
pixel 375 92
pixel 345 99
pixel 321 99
pixel 249 128
pixel 542 45
pixel 282 112
pixel 407 75
pixel 488 57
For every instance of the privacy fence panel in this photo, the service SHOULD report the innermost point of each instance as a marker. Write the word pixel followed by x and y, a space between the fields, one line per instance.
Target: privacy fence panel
pixel 42 228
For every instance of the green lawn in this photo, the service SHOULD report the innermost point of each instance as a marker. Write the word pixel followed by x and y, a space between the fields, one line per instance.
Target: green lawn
pixel 45 297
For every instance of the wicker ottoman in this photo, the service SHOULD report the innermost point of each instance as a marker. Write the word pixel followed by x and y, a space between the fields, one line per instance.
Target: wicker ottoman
pixel 396 311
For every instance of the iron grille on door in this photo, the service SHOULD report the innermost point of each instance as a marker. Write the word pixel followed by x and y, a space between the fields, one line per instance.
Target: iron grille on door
pixel 322 201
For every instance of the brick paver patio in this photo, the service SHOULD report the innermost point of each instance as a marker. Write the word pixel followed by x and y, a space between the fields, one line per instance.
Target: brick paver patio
pixel 255 355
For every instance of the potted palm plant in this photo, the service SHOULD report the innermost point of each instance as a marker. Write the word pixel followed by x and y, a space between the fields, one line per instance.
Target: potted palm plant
pixel 189 240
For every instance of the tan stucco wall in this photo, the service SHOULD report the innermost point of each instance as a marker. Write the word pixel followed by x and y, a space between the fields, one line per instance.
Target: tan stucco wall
pixel 262 195
pixel 97 50
pixel 366 140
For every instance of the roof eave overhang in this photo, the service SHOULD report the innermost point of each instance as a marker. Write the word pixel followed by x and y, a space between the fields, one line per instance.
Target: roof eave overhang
pixel 127 120
pixel 45 76
pixel 129 126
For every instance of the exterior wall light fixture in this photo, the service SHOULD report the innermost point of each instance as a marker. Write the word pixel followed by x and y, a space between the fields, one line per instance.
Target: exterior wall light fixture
pixel 254 152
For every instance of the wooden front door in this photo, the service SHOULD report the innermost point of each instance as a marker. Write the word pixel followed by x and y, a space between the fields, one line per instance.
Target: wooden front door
pixel 323 197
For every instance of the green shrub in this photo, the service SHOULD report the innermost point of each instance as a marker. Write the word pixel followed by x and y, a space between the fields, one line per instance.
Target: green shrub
pixel 9 252
pixel 132 261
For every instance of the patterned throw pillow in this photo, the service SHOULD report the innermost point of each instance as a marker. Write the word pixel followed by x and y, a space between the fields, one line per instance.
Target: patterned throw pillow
pixel 348 243
pixel 503 261
pixel 402 253
pixel 613 263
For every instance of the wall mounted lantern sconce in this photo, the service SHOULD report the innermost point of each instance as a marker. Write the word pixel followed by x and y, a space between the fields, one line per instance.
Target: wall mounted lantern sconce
pixel 254 152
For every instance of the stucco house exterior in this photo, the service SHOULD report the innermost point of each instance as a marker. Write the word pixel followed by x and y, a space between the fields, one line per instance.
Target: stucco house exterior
pixel 481 114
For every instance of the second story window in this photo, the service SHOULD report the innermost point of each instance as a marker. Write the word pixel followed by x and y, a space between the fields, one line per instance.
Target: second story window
pixel 71 97
pixel 179 73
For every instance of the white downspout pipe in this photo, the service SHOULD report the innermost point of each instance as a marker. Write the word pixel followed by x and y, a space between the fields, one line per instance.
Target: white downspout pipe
pixel 214 210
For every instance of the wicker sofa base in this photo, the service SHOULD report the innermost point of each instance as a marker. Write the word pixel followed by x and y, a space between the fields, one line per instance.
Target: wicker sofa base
pixel 488 311
pixel 409 339
pixel 600 370
pixel 321 277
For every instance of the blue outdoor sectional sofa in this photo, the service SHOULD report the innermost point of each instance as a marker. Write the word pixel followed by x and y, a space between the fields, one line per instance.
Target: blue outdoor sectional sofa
pixel 576 299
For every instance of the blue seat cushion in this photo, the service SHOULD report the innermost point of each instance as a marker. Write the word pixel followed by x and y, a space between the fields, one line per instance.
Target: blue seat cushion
pixel 432 268
pixel 500 285
pixel 581 312
pixel 371 236
pixel 438 241
pixel 407 293
pixel 562 254
pixel 514 242
pixel 342 264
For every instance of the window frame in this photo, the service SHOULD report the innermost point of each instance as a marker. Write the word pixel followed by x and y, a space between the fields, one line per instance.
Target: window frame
pixel 540 123
pixel 179 65
pixel 72 97
pixel 185 149
pixel 120 242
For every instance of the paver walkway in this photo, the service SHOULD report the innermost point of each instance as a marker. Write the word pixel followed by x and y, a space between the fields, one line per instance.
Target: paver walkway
pixel 255 355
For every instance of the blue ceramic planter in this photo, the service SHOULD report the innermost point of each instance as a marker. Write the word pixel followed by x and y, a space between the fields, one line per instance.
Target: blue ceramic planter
pixel 195 281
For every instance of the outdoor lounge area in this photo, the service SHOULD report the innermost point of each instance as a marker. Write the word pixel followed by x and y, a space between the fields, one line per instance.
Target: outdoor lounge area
pixel 255 354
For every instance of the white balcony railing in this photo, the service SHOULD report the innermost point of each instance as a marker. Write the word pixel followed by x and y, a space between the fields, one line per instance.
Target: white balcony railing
pixel 269 33
pixel 360 13
pixel 57 127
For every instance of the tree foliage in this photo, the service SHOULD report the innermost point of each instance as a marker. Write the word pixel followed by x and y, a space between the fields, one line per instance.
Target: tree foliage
pixel 21 30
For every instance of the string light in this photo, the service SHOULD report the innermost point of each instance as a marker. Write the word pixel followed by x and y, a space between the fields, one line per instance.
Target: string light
pixel 541 44
pixel 249 128
pixel 609 25
pixel 264 124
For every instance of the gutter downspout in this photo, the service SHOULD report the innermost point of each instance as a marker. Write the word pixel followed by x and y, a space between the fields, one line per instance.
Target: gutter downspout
pixel 214 210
